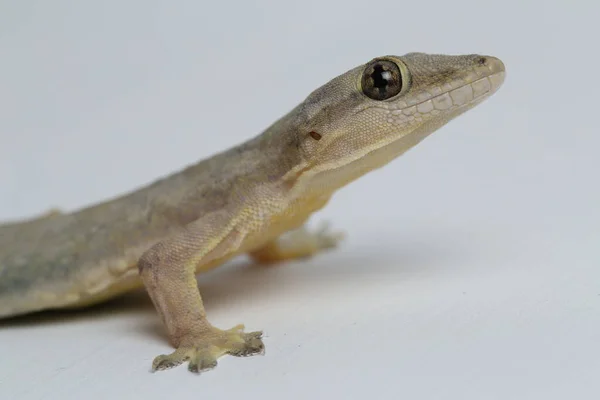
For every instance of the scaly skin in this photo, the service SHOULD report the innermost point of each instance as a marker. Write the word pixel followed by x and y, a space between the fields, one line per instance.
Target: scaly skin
pixel 240 201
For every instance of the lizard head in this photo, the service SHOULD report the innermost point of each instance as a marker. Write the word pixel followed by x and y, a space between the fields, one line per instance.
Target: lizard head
pixel 373 113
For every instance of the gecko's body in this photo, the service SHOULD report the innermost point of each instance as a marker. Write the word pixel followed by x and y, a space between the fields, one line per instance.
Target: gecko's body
pixel 239 201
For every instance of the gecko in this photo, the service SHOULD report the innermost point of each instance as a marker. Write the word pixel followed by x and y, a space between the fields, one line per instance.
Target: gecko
pixel 254 198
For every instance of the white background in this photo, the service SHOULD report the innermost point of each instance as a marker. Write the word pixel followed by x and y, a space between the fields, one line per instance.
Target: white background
pixel 471 269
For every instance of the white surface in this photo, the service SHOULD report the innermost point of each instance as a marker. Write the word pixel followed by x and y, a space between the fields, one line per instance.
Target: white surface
pixel 472 264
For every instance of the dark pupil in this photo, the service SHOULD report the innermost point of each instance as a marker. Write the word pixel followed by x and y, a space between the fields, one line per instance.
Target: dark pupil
pixel 380 78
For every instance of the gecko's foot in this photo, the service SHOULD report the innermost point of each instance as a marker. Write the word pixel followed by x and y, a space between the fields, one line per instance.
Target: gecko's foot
pixel 299 243
pixel 203 351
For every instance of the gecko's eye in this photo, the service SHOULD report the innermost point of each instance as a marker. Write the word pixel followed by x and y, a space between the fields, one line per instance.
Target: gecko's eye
pixel 381 80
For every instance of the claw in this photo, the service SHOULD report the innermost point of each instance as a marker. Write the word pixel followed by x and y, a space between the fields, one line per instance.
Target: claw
pixel 252 345
pixel 174 359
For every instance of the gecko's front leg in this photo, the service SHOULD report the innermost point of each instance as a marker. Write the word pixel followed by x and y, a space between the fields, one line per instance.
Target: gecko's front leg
pixel 168 272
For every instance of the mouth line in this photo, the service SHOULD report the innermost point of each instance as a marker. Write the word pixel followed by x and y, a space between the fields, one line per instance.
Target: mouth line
pixel 492 89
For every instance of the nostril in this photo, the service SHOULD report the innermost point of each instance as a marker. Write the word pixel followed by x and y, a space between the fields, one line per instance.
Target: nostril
pixel 482 60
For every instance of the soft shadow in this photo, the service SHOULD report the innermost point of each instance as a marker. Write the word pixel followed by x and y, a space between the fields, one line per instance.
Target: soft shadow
pixel 243 280
pixel 130 303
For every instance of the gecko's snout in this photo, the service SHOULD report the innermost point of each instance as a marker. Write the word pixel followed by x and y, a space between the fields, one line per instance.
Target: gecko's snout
pixel 494 64
pixel 497 70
